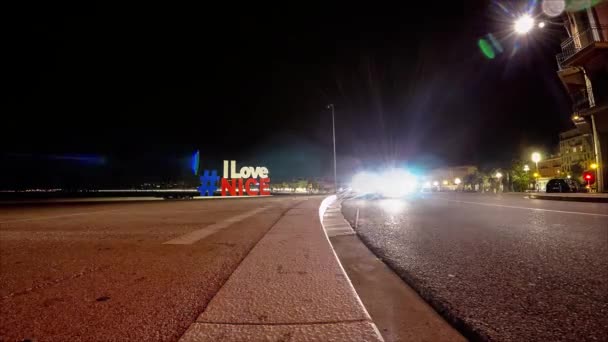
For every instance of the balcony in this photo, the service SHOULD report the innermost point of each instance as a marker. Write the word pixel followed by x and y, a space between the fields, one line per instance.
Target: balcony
pixel 580 101
pixel 585 39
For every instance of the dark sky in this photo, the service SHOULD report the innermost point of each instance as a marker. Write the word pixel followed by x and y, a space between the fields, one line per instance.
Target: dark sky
pixel 251 83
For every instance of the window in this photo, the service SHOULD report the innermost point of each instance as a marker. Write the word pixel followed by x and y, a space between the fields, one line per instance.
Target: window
pixel 580 148
pixel 574 149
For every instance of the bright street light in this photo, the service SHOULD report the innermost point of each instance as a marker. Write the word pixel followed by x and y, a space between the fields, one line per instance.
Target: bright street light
pixel 526 168
pixel 594 166
pixel 541 24
pixel 445 182
pixel 524 24
pixel 536 158
pixel 498 175
pixel 457 181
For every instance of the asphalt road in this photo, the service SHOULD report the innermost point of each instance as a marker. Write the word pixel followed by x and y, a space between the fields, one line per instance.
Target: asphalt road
pixel 104 272
pixel 501 268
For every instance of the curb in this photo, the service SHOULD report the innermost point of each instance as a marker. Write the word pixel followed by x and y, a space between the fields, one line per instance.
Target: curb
pixel 571 199
pixel 322 209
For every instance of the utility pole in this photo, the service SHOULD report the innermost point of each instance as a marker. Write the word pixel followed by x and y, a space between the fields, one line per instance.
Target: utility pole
pixel 333 128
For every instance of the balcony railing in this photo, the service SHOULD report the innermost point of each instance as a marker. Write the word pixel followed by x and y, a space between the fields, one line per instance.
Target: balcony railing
pixel 581 40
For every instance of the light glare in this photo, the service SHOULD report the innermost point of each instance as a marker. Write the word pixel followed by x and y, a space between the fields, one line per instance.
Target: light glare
pixel 524 24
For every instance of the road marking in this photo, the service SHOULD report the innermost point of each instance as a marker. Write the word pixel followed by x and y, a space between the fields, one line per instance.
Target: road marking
pixel 516 207
pixel 58 216
pixel 192 237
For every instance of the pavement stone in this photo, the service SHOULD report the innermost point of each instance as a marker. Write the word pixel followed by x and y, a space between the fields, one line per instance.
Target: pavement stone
pixel 337 332
pixel 291 276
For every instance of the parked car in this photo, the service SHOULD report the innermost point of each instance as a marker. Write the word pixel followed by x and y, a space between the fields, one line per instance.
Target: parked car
pixel 562 185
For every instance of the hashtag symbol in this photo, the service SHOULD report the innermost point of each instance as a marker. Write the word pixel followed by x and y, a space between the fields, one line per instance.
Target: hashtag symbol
pixel 208 183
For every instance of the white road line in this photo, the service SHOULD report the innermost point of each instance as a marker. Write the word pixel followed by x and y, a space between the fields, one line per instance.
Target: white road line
pixel 58 216
pixel 192 237
pixel 525 208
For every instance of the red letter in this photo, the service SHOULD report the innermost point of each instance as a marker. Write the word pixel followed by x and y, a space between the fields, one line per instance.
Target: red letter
pixel 227 185
pixel 248 187
pixel 241 187
pixel 264 186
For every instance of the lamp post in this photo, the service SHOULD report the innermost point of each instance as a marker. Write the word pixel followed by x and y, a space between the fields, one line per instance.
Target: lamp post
pixel 594 168
pixel 333 129
pixel 498 176
pixel 536 159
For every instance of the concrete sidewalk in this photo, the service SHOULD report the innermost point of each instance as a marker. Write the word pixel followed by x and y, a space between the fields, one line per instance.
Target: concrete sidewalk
pixel 290 287
pixel 575 197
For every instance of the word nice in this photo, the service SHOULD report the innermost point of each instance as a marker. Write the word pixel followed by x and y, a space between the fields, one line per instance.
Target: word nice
pixel 245 180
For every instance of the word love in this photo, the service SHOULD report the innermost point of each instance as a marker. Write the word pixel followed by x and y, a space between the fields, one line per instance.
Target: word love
pixel 245 181
pixel 245 172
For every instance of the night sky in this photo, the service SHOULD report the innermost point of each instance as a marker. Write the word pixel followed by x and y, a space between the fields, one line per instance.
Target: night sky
pixel 103 88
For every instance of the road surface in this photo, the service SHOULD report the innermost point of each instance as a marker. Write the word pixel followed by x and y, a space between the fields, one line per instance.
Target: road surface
pixel 502 268
pixel 130 271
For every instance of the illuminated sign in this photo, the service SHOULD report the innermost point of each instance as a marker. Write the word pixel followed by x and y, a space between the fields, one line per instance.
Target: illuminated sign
pixel 250 180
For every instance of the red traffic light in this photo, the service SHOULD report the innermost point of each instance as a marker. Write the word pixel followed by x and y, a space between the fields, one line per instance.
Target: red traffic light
pixel 589 176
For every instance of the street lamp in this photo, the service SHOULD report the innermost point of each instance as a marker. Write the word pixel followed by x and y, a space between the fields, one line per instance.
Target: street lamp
pixel 536 159
pixel 457 181
pixel 526 168
pixel 523 24
pixel 333 129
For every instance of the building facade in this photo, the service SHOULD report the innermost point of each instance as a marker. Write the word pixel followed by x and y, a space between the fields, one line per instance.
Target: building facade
pixel 447 176
pixel 551 167
pixel 583 71
pixel 576 149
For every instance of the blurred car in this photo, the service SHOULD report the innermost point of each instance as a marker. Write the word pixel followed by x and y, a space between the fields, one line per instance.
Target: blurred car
pixel 562 185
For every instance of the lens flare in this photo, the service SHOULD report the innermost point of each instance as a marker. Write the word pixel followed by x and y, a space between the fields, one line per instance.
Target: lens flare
pixel 553 8
pixel 579 5
pixel 486 49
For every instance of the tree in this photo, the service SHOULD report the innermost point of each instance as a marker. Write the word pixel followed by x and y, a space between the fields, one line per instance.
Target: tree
pixel 576 171
pixel 469 180
pixel 521 179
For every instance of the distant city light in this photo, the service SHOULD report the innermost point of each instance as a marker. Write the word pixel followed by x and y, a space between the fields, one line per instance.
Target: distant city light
pixel 576 117
pixel 524 24
pixel 593 166
pixel 435 183
pixel 498 175
pixel 541 24
pixel 457 181
pixel 445 182
pixel 526 168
